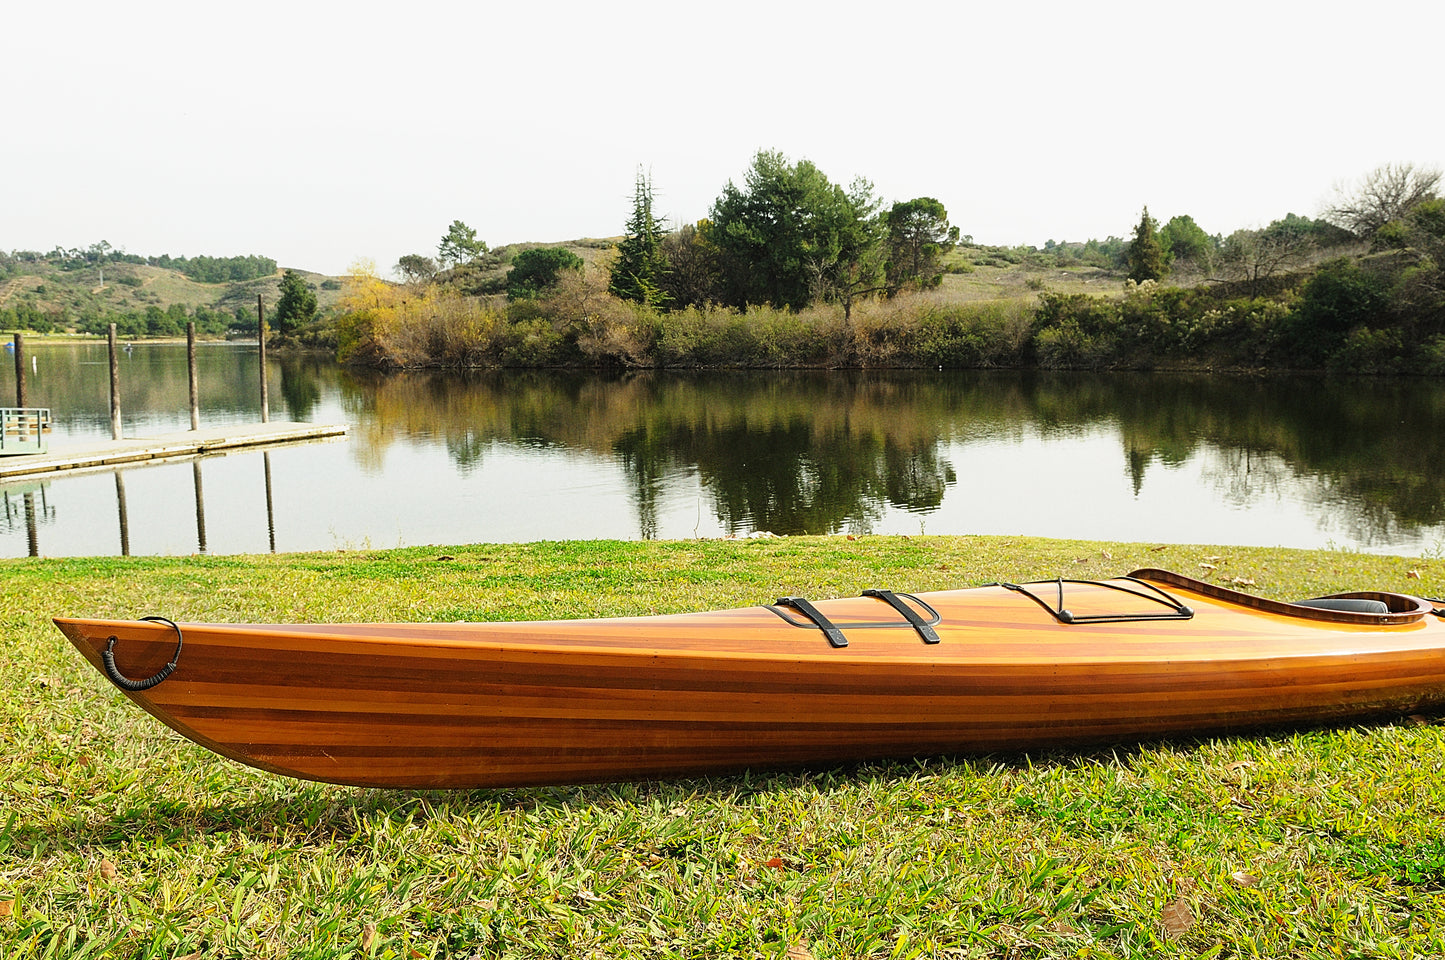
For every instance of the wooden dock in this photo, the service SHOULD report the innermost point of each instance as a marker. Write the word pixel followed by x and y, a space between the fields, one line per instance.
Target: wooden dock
pixel 168 446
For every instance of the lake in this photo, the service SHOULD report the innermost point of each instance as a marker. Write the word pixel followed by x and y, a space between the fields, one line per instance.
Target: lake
pixel 446 458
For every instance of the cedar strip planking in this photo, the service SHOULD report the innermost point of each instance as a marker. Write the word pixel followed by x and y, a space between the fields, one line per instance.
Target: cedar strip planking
pixel 497 704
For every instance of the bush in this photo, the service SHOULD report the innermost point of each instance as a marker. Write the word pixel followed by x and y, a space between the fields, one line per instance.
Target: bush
pixel 537 270
pixel 1340 296
pixel 1368 351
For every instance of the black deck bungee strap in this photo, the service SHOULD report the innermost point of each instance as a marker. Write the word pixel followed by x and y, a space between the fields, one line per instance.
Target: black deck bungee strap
pixel 806 608
pixel 925 631
pixel 1132 585
pixel 126 683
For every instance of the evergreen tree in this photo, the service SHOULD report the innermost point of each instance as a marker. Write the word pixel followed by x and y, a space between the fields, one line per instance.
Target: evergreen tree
pixel 918 236
pixel 459 245
pixel 537 270
pixel 789 236
pixel 296 305
pixel 641 264
pixel 1146 253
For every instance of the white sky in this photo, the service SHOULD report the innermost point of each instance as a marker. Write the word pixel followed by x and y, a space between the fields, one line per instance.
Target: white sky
pixel 321 133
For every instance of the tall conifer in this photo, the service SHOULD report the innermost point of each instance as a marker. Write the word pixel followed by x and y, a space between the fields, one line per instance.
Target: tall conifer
pixel 640 265
pixel 1146 254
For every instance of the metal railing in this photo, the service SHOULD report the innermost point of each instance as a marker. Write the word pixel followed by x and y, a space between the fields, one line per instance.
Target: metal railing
pixel 23 430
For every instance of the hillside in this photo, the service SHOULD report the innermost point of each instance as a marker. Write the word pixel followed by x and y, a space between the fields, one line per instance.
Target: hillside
pixel 73 294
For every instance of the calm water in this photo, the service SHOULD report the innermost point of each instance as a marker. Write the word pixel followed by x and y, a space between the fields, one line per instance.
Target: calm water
pixel 445 459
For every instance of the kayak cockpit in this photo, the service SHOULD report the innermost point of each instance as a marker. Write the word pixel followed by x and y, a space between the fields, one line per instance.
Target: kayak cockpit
pixel 1365 607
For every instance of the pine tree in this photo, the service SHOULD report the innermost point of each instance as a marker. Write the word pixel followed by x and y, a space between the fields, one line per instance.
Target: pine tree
pixel 296 306
pixel 1146 253
pixel 638 271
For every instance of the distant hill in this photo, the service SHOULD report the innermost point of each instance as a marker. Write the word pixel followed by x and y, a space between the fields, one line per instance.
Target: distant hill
pixel 109 288
pixel 67 292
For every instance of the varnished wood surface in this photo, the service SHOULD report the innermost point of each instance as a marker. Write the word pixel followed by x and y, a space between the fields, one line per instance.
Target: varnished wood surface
pixel 497 704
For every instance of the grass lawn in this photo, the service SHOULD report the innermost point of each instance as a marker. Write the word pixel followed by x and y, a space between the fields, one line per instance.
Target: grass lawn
pixel 120 839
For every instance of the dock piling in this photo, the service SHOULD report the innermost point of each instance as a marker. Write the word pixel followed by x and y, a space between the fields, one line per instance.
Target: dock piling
pixel 261 341
pixel 191 366
pixel 114 388
pixel 20 388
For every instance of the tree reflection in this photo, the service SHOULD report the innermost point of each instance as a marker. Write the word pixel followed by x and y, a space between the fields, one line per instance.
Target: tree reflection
pixel 797 453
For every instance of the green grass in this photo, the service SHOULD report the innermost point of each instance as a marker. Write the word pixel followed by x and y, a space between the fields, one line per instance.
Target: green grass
pixel 120 839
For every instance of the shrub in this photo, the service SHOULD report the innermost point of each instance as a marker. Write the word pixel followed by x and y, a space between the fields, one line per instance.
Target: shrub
pixel 1340 296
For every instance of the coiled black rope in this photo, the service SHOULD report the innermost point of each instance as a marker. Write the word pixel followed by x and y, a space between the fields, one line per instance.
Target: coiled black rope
pixel 126 683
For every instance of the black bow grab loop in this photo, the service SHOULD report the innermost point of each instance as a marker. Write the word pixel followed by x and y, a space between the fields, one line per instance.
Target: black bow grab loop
pixel 126 683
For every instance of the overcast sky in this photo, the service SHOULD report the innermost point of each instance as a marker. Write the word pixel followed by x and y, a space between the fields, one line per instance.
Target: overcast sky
pixel 318 134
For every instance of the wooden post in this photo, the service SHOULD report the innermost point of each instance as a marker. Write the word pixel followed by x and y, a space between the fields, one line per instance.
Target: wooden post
pixel 261 340
pixel 114 388
pixel 20 391
pixel 191 366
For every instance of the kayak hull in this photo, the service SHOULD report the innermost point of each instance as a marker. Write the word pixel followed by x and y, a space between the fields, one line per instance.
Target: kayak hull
pixel 513 704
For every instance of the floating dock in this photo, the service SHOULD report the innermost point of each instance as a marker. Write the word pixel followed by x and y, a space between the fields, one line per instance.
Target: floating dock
pixel 168 446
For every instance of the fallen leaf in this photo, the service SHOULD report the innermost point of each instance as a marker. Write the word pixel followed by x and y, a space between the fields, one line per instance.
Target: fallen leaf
pixel 1242 582
pixel 1208 566
pixel 776 863
pixel 1106 555
pixel 192 956
pixel 1419 719
pixel 368 936
pixel 7 907
pixel 1238 765
pixel 1413 574
pixel 1082 559
pixel 1176 919
pixel 1162 546
pixel 799 951
pixel 445 557
pixel 1243 879
pixel 851 537
pixel 1212 559
pixel 107 869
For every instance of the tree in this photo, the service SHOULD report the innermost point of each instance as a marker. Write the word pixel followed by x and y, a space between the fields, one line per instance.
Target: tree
pixel 845 256
pixel 537 270
pixel 1256 255
pixel 1146 254
pixel 415 268
pixel 693 274
pixel 1386 193
pixel 918 237
pixel 1185 241
pixel 788 233
pixel 1419 240
pixel 459 245
pixel 295 307
pixel 637 274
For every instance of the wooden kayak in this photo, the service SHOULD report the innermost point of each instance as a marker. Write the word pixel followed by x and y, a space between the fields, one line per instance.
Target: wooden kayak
pixel 1003 667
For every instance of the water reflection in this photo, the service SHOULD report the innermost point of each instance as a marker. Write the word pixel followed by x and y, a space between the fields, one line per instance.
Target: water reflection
pixel 124 515
pixel 817 453
pixel 200 507
pixel 270 502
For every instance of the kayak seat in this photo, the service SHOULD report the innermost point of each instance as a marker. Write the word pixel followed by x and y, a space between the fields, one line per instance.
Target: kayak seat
pixel 1345 604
